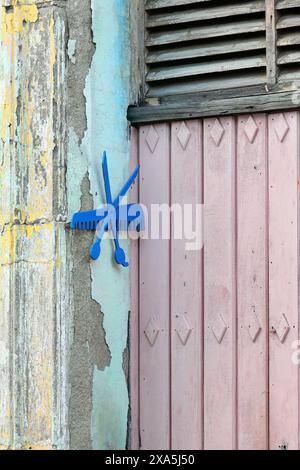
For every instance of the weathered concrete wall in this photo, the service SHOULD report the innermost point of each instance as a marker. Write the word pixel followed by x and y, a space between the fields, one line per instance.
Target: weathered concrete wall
pixel 99 78
pixel 32 211
pixel 65 85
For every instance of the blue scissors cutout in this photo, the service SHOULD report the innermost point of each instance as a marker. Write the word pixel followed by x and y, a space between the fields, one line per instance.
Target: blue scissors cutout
pixel 113 217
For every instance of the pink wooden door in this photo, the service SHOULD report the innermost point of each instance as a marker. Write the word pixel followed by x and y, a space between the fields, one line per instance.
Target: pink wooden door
pixel 214 331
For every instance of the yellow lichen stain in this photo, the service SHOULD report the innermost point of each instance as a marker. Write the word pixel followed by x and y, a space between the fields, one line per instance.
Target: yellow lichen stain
pixel 13 22
pixel 12 26
pixel 7 247
pixel 12 31
pixel 9 107
pixel 36 242
pixel 37 237
pixel 6 431
pixel 39 416
pixel 22 217
pixel 4 447
pixel 44 158
pixel 39 203
pixel 29 446
pixel 57 262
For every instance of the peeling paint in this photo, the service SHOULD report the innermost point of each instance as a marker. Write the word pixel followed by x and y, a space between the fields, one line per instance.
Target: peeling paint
pixel 28 261
pixel 99 123
pixel 89 348
pixel 12 22
pixel 63 328
pixel 12 26
pixel 72 50
pixel 107 101
pixel 80 31
pixel 77 168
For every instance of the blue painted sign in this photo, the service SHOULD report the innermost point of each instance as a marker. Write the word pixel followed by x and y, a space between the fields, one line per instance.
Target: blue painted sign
pixel 113 216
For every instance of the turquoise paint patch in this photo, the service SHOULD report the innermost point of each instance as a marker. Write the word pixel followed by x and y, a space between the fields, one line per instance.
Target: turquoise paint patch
pixel 107 95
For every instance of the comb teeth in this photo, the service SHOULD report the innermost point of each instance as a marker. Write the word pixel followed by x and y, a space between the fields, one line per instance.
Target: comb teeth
pixel 90 220
pixel 91 225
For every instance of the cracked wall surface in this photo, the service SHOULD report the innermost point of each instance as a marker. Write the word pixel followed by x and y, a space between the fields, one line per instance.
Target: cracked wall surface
pixel 65 85
pixel 99 77
pixel 32 204
pixel 89 348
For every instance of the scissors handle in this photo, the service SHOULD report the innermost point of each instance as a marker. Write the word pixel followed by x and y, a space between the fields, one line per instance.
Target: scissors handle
pixel 120 256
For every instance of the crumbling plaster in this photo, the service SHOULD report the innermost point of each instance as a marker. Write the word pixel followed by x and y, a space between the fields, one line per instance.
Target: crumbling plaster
pixel 65 84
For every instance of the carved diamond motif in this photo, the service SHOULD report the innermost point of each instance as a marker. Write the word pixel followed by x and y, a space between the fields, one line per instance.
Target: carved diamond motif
pixel 281 127
pixel 184 330
pixel 184 135
pixel 283 328
pixel 219 329
pixel 152 139
pixel 217 132
pixel 254 328
pixel 151 331
pixel 251 129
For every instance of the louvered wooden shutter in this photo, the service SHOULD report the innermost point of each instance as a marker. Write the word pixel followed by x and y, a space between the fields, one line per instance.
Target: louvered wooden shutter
pixel 204 45
pixel 288 39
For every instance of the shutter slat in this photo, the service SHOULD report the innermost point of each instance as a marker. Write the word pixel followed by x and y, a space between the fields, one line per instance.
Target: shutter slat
pixel 156 4
pixel 195 51
pixel 182 71
pixel 181 17
pixel 288 21
pixel 288 57
pixel 288 39
pixel 205 32
pixel 281 4
pixel 289 76
pixel 204 85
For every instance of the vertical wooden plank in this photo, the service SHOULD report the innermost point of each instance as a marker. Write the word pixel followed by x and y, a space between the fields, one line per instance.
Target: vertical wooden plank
pixel 252 283
pixel 283 278
pixel 134 310
pixel 186 292
pixel 154 295
pixel 219 284
pixel 271 37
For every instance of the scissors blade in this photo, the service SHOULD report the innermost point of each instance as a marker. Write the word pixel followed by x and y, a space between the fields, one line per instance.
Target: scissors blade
pixel 126 186
pixel 124 189
pixel 106 179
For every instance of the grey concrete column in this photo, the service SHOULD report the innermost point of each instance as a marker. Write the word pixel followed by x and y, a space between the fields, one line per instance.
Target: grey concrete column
pixel 34 286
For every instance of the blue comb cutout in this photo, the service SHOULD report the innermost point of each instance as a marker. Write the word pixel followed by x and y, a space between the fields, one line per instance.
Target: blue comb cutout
pixel 123 218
